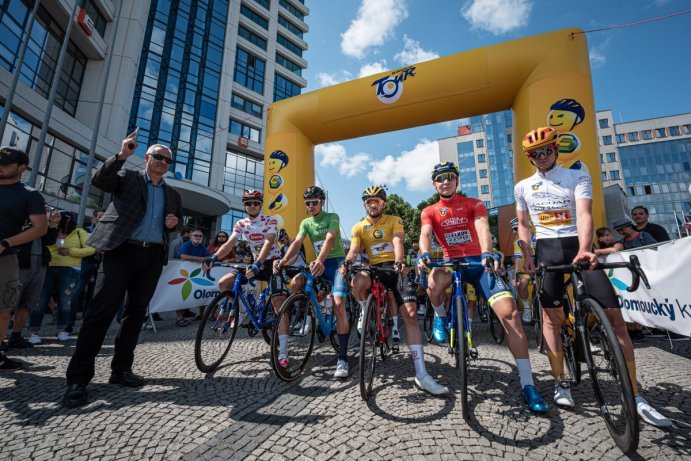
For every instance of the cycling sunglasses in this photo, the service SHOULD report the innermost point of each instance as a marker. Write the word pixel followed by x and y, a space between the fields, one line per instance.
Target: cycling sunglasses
pixel 253 203
pixel 311 202
pixel 541 152
pixel 373 201
pixel 168 160
pixel 445 177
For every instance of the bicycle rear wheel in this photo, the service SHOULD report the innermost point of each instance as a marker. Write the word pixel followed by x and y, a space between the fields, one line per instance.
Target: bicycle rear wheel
pixel 369 343
pixel 215 333
pixel 536 314
pixel 461 352
pixel 298 315
pixel 495 326
pixel 387 325
pixel 269 321
pixel 428 321
pixel 610 377
pixel 573 366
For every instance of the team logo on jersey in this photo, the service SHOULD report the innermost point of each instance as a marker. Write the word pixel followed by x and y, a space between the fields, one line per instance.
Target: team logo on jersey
pixel 442 212
pixel 536 186
pixel 554 218
pixel 390 87
pixel 454 221
pixel 378 234
pixel 368 226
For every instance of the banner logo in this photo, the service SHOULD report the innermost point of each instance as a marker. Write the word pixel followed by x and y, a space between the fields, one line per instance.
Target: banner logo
pixel 390 88
pixel 188 279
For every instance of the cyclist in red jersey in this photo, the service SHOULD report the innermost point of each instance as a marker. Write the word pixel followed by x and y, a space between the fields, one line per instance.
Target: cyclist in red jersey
pixel 460 225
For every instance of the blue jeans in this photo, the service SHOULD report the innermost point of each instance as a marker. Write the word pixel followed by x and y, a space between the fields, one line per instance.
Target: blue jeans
pixel 61 282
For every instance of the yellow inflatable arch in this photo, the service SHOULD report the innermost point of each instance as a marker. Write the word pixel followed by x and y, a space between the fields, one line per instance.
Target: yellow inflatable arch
pixel 544 79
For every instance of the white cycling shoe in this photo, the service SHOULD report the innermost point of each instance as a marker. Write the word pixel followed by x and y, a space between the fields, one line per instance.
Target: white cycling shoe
pixel 562 396
pixel 430 385
pixel 341 370
pixel 650 415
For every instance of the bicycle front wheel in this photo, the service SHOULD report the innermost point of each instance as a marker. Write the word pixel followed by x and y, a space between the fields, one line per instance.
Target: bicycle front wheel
pixel 495 326
pixel 610 378
pixel 461 353
pixel 297 316
pixel 369 343
pixel 215 333
pixel 536 313
pixel 428 321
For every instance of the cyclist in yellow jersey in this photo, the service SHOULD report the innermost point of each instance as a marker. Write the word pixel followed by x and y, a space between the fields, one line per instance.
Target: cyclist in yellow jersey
pixel 381 237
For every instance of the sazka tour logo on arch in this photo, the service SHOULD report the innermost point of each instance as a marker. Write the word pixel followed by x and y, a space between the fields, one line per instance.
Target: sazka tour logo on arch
pixel 390 88
pixel 188 280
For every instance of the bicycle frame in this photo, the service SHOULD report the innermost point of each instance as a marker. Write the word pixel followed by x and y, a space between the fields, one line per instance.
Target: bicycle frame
pixel 379 292
pixel 326 325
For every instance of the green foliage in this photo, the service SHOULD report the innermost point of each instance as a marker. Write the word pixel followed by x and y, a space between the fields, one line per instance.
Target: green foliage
pixel 395 205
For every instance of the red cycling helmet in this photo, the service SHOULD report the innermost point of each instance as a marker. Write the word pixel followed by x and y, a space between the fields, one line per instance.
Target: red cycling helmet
pixel 252 195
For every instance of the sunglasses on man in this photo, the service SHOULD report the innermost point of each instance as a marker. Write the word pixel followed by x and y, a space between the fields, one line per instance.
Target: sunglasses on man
pixel 253 203
pixel 373 201
pixel 311 202
pixel 541 152
pixel 160 157
pixel 445 177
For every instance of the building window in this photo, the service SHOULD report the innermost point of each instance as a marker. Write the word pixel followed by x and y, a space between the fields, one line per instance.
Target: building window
pixel 242 172
pixel 97 17
pixel 621 138
pixel 479 143
pixel 614 174
pixel 488 204
pixel 509 138
pixel 604 176
pixel 288 64
pixel 252 37
pixel 294 11
pixel 261 21
pixel 633 136
pixel 481 158
pixel 249 71
pixel 483 173
pixel 647 134
pixel 604 123
pixel 289 45
pixel 246 131
pixel 484 189
pixel 265 3
pixel 611 157
pixel 687 129
pixel 674 131
pixel 282 20
pixel 660 133
pixel 607 140
pixel 246 105
pixel 284 88
pixel 229 219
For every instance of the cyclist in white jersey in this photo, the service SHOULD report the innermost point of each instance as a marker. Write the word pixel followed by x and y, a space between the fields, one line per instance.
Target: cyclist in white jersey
pixel 559 201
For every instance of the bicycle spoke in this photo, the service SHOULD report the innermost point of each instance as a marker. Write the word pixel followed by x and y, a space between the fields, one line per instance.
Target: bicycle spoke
pixel 295 325
pixel 215 333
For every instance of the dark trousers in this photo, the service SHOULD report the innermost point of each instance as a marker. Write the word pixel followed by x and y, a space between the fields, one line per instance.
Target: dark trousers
pixel 127 269
pixel 89 269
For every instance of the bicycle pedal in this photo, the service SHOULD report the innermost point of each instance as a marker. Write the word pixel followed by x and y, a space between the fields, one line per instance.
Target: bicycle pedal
pixel 473 353
pixel 394 348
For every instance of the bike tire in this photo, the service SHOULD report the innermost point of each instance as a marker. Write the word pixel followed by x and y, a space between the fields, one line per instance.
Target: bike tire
pixel 428 321
pixel 610 377
pixel 495 327
pixel 461 352
pixel 536 313
pixel 295 311
pixel 573 366
pixel 387 325
pixel 369 343
pixel 210 351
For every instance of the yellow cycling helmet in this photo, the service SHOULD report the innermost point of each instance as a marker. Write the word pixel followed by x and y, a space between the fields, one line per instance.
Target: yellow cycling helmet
pixel 540 137
pixel 374 192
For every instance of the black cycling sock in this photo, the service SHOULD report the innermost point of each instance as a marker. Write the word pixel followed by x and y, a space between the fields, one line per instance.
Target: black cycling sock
pixel 343 347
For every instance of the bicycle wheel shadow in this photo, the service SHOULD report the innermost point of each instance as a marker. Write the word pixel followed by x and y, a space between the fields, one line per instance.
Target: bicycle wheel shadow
pixel 663 396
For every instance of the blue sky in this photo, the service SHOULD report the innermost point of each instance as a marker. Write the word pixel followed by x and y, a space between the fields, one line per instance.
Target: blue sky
pixel 638 72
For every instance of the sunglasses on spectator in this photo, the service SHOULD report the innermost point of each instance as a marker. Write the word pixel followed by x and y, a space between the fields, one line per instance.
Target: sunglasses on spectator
pixel 253 203
pixel 445 177
pixel 159 157
pixel 541 152
pixel 311 202
pixel 373 201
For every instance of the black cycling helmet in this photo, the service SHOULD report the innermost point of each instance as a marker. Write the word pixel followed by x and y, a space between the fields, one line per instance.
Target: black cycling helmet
pixel 313 192
pixel 374 192
pixel 281 234
pixel 444 167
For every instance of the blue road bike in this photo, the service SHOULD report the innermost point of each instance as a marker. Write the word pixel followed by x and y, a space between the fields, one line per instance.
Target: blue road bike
pixel 220 321
pixel 304 319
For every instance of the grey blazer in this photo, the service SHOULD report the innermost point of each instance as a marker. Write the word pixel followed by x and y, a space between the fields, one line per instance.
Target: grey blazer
pixel 127 209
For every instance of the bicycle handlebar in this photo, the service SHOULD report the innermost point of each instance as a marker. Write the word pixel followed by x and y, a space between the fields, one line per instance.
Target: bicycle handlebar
pixel 455 265
pixel 633 265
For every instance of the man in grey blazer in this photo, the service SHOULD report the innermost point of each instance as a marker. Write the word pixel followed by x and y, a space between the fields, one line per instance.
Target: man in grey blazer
pixel 133 234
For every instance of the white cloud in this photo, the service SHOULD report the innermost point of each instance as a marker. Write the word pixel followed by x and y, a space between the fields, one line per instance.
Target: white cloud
pixel 373 68
pixel 334 155
pixel 413 167
pixel 497 16
pixel 374 24
pixel 413 53
pixel 334 78
pixel 598 57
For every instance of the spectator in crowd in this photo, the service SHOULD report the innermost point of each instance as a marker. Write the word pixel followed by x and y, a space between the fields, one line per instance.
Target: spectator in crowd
pixel 33 260
pixel 18 203
pixel 605 242
pixel 174 248
pixel 86 275
pixel 192 250
pixel 632 237
pixel 640 216
pixel 284 242
pixel 220 239
pixel 241 249
pixel 134 235
pixel 62 276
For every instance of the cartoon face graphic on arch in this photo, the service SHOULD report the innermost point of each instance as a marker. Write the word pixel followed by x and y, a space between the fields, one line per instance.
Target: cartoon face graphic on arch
pixel 280 202
pixel 277 161
pixel 565 115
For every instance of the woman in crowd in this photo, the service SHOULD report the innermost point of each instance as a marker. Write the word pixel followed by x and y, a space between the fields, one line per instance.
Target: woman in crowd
pixel 220 239
pixel 605 242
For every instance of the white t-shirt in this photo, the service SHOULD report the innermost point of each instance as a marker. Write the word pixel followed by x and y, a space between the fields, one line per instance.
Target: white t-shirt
pixel 550 199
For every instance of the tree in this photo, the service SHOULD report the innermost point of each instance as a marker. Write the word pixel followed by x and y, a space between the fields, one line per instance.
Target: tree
pixel 395 205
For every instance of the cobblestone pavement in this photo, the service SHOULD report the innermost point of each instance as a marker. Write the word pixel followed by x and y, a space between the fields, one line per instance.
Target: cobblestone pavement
pixel 243 412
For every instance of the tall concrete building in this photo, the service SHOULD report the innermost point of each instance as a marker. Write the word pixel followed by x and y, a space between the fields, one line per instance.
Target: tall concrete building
pixel 197 75
pixel 647 160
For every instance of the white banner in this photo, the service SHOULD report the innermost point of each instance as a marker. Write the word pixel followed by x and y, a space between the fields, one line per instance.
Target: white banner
pixel 667 304
pixel 183 284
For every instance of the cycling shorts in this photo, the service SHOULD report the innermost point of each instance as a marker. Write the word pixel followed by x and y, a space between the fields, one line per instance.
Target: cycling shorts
pixel 338 287
pixel 490 288
pixel 559 251
pixel 407 294
pixel 278 287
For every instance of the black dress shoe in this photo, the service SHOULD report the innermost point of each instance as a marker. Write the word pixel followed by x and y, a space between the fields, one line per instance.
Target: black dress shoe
pixel 126 378
pixel 76 396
